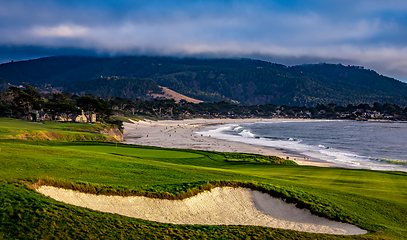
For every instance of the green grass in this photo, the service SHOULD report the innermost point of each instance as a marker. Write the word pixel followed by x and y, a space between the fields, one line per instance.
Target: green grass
pixel 256 158
pixel 125 119
pixel 16 129
pixel 373 200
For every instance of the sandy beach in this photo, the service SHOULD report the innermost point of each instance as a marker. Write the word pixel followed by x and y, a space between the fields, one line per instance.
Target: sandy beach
pixel 182 134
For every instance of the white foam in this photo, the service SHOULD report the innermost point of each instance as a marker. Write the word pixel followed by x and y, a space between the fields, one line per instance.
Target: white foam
pixel 247 134
pixel 339 157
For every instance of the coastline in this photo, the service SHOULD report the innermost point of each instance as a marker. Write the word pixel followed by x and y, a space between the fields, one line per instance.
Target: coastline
pixel 182 134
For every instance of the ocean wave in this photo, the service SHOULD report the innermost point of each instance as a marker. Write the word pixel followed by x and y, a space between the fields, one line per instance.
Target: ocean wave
pixel 237 128
pixel 294 139
pixel 237 133
pixel 247 134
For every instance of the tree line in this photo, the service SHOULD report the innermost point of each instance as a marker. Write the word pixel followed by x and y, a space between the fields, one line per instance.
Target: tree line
pixel 17 103
pixel 169 109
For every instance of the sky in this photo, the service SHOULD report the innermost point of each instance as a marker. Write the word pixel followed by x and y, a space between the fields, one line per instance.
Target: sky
pixel 369 33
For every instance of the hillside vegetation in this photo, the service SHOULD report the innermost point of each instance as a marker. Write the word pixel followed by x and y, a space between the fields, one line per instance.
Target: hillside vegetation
pixel 115 86
pixel 243 80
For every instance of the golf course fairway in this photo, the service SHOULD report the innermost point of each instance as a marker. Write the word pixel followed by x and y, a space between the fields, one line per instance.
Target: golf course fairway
pixel 375 201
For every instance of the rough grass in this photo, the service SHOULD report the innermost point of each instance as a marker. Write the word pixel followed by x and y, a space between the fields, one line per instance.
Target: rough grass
pixel 373 200
pixel 17 129
pixel 124 119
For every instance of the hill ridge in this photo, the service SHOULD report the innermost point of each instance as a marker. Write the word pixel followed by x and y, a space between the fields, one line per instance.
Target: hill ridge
pixel 247 81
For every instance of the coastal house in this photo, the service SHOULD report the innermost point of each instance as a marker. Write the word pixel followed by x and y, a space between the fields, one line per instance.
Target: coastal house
pixel 40 115
pixel 86 117
pixel 63 117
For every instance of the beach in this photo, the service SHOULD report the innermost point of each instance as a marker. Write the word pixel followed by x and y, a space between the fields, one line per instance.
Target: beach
pixel 183 134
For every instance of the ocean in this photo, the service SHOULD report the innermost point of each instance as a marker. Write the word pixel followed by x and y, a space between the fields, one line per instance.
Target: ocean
pixel 352 144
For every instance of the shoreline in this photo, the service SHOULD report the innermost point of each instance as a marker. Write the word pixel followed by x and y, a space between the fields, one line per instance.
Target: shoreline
pixel 182 134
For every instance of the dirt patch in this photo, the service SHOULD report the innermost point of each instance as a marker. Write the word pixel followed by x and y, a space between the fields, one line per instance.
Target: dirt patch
pixel 170 94
pixel 53 135
pixel 41 136
pixel 114 133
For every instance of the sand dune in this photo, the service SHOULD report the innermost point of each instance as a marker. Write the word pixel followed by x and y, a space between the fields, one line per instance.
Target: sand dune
pixel 220 206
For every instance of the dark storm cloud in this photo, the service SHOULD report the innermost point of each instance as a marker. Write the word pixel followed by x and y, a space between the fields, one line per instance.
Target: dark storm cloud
pixel 366 32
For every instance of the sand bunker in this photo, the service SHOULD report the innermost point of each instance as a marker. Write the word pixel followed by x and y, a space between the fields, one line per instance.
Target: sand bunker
pixel 220 206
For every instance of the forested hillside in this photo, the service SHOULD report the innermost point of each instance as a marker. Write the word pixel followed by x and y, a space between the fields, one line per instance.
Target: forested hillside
pixel 243 80
pixel 115 86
